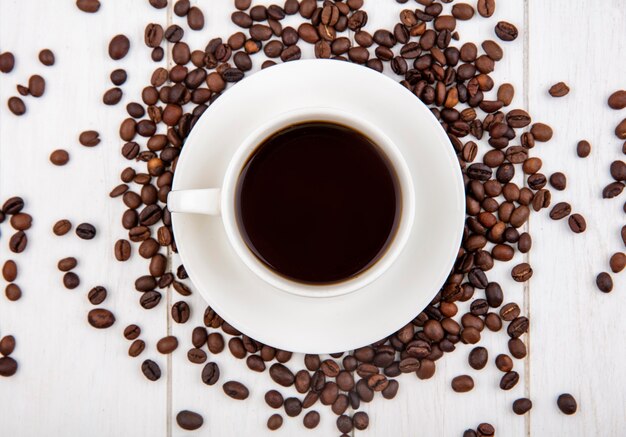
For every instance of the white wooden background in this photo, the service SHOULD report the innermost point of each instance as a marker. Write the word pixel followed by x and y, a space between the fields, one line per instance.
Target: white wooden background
pixel 76 381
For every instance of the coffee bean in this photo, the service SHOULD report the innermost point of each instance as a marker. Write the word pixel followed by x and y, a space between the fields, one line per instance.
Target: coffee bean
pixel 186 419
pixel 567 404
pixel 522 272
pixel 517 348
pixel 112 96
pixel 604 282
pixel 86 231
pixel 89 138
pixel 18 242
pixel 167 345
pixel 577 223
pixel 506 31
pixel 13 292
pixel 478 358
pixel 618 170
pixel 59 157
pixel 522 406
pixel 122 250
pixel 274 399
pixel 509 380
pixel 281 375
pixel 559 89
pixel 46 57
pixel 118 77
pixel 620 130
pixel 560 210
pixel 195 18
pixel 558 181
pixel 509 311
pixel 462 383
pixel 504 363
pixel 150 299
pixel 612 190
pixel 67 264
pixel 518 327
pixel 118 47
pixel 617 100
pixel 36 85
pixel 13 205
pixel 97 295
pixel 89 6
pixel 151 370
pixel 131 332
pixel 486 8
pixel 16 106
pixel 7 62
pixel 583 148
pixel 486 430
pixel 617 262
pixel 541 132
pixel 210 373
pixel 9 270
pixel 180 312
pixel 8 366
pixel 293 407
pixel 7 345
pixel 311 419
pixel 235 390
pixel 274 422
pixel 101 318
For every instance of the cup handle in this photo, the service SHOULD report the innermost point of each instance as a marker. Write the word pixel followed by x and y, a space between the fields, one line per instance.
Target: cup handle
pixel 200 201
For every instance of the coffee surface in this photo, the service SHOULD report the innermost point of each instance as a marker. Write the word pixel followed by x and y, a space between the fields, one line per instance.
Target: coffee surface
pixel 318 202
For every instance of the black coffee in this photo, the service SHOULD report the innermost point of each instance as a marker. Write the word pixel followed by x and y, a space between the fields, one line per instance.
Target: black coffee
pixel 318 202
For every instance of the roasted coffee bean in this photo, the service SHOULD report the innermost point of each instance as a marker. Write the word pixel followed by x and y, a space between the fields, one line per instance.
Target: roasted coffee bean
pixel 293 407
pixel 7 345
pixel 344 424
pixel 462 11
pixel 16 106
pixel 509 380
pixel 7 62
pixel 36 85
pixel 558 181
pixel 186 419
pixel 195 18
pixel 59 157
pixel 151 370
pixel 560 210
pixel 620 130
pixel 210 373
pixel 604 282
pixel 518 327
pixel 311 419
pixel 122 250
pixel 504 363
pixel 577 223
pixel 89 138
pixel 236 390
pixel 522 406
pixel 13 292
pixel 517 348
pixel 567 404
pixel 131 332
pixel 617 262
pixel 509 311
pixel 486 8
pixel 180 312
pixel 196 356
pixel 541 132
pixel 71 280
pixel 617 100
pixel 181 8
pixel 612 190
pixel 618 170
pixel 167 345
pixel 8 366
pixel 559 89
pixel 506 31
pixel 583 148
pixel 13 205
pixel 118 47
pixel 89 6
pixel 478 358
pixel 274 399
pixel 112 96
pixel 9 270
pixel 274 422
pixel 462 384
pixel 486 430
pixel 97 295
pixel 150 299
pixel 101 318
pixel 67 264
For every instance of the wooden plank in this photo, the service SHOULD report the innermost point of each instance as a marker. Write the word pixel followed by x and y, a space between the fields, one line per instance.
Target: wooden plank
pixel 577 331
pixel 73 380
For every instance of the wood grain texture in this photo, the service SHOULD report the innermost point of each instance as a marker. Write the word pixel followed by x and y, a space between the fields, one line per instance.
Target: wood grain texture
pixel 79 381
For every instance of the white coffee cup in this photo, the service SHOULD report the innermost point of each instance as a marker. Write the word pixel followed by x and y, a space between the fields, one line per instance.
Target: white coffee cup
pixel 221 201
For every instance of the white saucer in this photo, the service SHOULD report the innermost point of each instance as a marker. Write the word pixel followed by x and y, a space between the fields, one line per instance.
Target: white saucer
pixel 322 325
